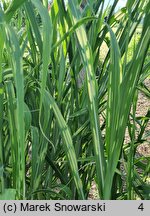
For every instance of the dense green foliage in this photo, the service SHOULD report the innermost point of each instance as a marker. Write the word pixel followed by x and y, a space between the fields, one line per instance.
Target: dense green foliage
pixel 64 110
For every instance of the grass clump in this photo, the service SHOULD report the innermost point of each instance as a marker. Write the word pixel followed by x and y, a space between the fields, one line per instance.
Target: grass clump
pixel 55 87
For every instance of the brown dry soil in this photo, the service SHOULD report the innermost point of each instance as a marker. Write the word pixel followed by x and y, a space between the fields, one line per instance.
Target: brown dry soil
pixel 142 107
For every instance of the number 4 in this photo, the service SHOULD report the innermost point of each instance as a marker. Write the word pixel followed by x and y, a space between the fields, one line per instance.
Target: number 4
pixel 141 207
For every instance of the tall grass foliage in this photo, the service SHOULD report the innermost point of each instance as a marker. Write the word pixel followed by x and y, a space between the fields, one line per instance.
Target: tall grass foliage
pixel 64 110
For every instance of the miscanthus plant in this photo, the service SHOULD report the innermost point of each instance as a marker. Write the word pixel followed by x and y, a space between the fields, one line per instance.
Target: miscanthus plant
pixel 64 110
